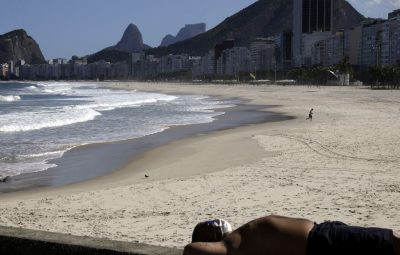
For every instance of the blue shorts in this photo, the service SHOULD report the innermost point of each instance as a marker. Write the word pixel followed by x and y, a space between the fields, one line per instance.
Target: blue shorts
pixel 335 237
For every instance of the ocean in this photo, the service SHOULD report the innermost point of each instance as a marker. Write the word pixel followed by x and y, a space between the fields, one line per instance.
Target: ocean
pixel 41 121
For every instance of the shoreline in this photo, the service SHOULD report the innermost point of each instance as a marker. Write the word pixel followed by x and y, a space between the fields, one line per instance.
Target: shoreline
pixel 344 165
pixel 100 160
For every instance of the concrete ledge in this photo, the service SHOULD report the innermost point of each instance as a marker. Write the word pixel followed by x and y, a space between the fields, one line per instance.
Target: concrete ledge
pixel 31 242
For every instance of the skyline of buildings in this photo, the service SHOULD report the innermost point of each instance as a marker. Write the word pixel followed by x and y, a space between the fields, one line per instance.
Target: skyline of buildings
pixel 313 42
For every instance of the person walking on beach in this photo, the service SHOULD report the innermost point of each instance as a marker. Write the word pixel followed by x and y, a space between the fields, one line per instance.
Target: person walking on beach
pixel 310 114
pixel 290 236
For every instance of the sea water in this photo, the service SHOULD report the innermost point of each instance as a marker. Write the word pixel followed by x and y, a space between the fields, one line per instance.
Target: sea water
pixel 40 122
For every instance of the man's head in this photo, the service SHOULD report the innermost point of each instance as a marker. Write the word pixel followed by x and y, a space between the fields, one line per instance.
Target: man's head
pixel 211 231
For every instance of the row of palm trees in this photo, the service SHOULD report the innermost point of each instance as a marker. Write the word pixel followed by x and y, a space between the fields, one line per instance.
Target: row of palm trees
pixel 315 75
pixel 319 74
pixel 386 77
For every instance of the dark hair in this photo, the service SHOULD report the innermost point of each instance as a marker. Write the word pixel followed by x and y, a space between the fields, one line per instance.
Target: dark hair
pixel 206 232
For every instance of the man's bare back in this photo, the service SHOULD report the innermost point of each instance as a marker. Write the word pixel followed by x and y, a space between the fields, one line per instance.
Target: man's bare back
pixel 279 235
pixel 267 235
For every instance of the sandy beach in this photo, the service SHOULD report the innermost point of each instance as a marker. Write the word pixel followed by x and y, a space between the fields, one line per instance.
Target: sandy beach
pixel 344 165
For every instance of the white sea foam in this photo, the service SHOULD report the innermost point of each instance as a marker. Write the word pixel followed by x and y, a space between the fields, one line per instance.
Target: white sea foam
pixel 27 121
pixel 9 98
pixel 33 156
pixel 111 102
pixel 83 102
pixel 58 87
pixel 103 99
pixel 96 101
pixel 24 167
pixel 50 154
pixel 207 106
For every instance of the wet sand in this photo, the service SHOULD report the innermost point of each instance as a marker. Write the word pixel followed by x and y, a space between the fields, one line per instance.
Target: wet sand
pixel 95 160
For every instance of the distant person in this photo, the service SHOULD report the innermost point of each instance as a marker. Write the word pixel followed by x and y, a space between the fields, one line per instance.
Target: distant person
pixel 310 114
pixel 289 236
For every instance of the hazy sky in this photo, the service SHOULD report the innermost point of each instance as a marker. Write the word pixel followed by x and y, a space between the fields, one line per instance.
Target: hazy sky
pixel 79 27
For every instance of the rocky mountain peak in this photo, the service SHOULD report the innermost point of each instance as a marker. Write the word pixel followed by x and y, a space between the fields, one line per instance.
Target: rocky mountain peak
pixel 187 32
pixel 16 45
pixel 131 40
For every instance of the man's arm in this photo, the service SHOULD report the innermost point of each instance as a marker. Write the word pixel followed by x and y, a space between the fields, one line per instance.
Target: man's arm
pixel 214 248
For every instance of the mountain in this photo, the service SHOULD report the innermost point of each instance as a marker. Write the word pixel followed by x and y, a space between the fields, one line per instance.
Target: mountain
pixel 347 16
pixel 262 19
pixel 130 42
pixel 189 31
pixel 17 45
pixel 168 40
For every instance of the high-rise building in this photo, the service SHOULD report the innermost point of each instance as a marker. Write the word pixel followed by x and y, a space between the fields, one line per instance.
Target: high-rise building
pixel 390 49
pixel 371 43
pixel 204 66
pixel 283 42
pixel 310 16
pixel 236 60
pixel 220 48
pixel 317 15
pixel 394 14
pixel 263 54
pixel 352 45
pixel 330 51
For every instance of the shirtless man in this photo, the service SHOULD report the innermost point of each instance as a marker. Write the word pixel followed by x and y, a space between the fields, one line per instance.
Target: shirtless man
pixel 289 236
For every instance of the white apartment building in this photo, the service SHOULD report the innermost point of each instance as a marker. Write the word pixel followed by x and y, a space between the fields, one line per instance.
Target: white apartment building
pixel 307 46
pixel 4 70
pixel 390 49
pixel 174 63
pixel 263 54
pixel 395 41
pixel 370 52
pixel 204 66
pixel 352 45
pixel 233 61
pixel 237 59
pixel 329 51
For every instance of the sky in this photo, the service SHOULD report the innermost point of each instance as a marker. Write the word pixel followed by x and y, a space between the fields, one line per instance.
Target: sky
pixel 64 28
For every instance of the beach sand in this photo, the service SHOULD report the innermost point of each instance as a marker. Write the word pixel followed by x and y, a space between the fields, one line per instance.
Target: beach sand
pixel 344 165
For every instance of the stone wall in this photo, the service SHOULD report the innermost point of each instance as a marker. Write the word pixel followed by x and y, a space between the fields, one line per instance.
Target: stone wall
pixel 23 241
